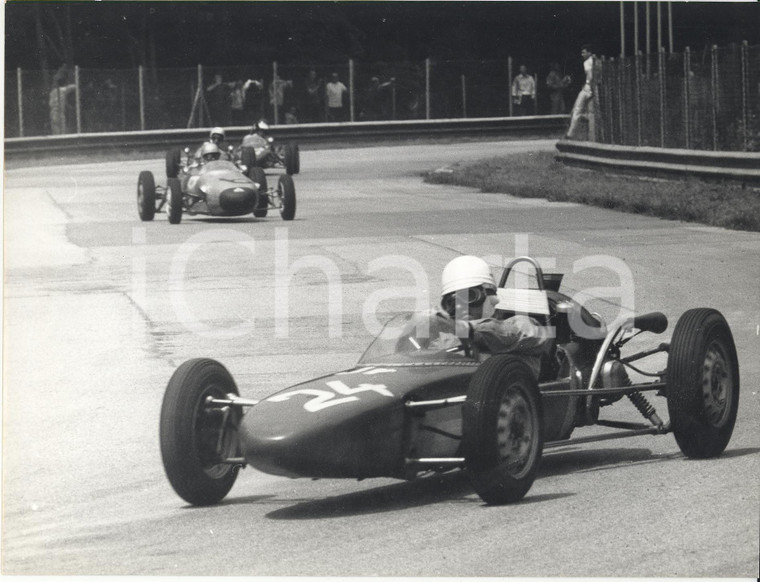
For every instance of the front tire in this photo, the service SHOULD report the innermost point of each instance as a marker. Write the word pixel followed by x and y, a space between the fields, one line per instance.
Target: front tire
pixel 172 163
pixel 703 383
pixel 196 437
pixel 248 158
pixel 174 200
pixel 291 159
pixel 286 191
pixel 262 199
pixel 146 196
pixel 502 432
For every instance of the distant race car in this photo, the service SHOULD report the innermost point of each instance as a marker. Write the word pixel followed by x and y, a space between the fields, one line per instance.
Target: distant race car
pixel 259 149
pixel 212 187
pixel 410 407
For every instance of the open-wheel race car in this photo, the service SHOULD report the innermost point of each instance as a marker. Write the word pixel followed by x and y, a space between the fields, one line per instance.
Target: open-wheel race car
pixel 262 150
pixel 215 188
pixel 410 407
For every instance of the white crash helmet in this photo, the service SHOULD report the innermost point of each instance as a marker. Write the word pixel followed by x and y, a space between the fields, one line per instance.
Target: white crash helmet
pixel 261 126
pixel 465 272
pixel 217 131
pixel 210 151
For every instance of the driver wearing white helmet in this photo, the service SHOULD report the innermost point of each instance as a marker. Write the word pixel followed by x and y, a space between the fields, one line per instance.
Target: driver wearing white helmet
pixel 217 137
pixel 469 300
pixel 210 152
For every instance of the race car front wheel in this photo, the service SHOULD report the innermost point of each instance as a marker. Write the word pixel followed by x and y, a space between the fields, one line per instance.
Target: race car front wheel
pixel 248 158
pixel 291 158
pixel 703 383
pixel 174 200
pixel 262 198
pixel 173 158
pixel 286 191
pixel 196 436
pixel 502 432
pixel 146 196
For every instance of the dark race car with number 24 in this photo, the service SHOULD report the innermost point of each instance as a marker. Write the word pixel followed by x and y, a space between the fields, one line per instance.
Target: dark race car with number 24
pixel 214 188
pixel 415 405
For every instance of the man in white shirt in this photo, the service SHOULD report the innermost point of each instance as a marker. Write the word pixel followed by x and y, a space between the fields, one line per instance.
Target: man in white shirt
pixel 335 106
pixel 524 93
pixel 585 104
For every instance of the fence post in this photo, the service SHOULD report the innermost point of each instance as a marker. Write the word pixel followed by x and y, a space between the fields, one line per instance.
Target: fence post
pixel 201 96
pixel 20 93
pixel 509 84
pixel 639 138
pixel 661 78
pixel 273 87
pixel 621 101
pixel 351 88
pixel 464 97
pixel 745 90
pixel 714 94
pixel 427 89
pixel 78 101
pixel 141 89
pixel 687 96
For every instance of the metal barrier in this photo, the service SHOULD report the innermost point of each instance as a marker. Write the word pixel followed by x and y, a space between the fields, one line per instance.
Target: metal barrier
pixel 314 133
pixel 652 161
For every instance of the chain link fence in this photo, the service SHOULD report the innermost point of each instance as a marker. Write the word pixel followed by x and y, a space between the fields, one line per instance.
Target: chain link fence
pixel 708 100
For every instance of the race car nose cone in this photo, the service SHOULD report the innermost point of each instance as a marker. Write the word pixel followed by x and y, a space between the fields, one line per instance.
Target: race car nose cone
pixel 238 200
pixel 350 439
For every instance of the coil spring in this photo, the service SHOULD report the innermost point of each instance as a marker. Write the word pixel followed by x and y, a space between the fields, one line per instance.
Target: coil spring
pixel 642 404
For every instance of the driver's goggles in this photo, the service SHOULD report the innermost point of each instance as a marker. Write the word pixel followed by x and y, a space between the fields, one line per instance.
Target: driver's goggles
pixel 477 295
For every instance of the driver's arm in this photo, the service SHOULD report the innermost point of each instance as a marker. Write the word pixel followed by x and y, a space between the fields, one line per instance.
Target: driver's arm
pixel 519 334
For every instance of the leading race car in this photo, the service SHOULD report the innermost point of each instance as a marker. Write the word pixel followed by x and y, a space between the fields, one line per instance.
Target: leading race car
pixel 411 406
pixel 261 150
pixel 215 187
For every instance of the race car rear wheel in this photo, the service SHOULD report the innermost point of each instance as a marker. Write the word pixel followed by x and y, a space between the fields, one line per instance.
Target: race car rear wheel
pixel 196 436
pixel 146 196
pixel 172 163
pixel 262 200
pixel 502 432
pixel 174 200
pixel 286 191
pixel 703 383
pixel 248 159
pixel 291 158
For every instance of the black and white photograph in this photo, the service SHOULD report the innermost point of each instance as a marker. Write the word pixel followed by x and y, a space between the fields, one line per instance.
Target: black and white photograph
pixel 381 289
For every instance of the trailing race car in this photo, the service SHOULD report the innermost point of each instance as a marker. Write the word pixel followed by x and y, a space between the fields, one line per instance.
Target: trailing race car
pixel 212 186
pixel 260 149
pixel 410 406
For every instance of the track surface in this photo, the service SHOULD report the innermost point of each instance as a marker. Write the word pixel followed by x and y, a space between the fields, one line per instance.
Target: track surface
pixel 100 309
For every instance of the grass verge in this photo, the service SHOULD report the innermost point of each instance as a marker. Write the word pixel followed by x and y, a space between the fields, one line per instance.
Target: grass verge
pixel 539 175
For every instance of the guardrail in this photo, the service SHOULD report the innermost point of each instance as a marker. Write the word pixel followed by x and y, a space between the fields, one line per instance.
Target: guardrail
pixel 322 133
pixel 739 166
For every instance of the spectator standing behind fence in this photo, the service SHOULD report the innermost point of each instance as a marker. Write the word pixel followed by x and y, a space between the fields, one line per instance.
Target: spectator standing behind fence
pixel 312 109
pixel 237 102
pixel 585 103
pixel 374 99
pixel 524 93
pixel 218 100
pixel 277 96
pixel 335 106
pixel 253 105
pixel 57 101
pixel 557 84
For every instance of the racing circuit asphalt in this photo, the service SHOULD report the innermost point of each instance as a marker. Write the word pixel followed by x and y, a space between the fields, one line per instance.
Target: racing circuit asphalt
pixel 101 308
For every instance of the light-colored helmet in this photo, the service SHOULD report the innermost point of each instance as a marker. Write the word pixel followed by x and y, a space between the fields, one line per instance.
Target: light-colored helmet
pixel 465 272
pixel 217 131
pixel 261 126
pixel 210 151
